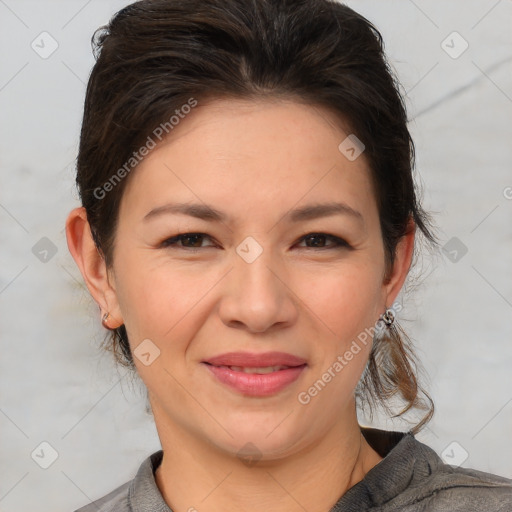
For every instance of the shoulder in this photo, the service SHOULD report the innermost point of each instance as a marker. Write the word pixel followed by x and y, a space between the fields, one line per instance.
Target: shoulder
pixel 460 491
pixel 115 501
pixel 140 493
pixel 467 489
pixel 412 477
pixel 457 489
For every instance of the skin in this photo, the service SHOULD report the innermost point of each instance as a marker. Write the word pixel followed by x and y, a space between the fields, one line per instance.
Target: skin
pixel 255 161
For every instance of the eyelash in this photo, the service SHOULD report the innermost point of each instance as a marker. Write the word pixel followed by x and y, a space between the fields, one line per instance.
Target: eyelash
pixel 339 243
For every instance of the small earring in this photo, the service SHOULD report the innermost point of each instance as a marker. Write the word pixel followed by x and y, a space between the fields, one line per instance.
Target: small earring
pixel 388 317
pixel 104 320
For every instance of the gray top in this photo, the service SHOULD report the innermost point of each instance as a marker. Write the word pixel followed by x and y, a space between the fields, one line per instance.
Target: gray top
pixel 410 478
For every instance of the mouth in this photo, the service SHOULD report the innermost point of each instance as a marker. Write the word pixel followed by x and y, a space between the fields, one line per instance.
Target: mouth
pixel 256 375
pixel 252 360
pixel 260 370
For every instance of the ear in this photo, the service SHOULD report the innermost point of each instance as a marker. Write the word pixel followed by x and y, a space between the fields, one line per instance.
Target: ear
pixel 403 259
pixel 92 265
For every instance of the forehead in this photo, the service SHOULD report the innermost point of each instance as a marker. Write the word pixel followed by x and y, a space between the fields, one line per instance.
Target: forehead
pixel 255 154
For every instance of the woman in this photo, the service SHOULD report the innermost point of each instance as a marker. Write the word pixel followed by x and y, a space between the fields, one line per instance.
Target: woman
pixel 249 218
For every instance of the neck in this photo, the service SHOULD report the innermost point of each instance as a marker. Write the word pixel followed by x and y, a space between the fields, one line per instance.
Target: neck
pixel 194 475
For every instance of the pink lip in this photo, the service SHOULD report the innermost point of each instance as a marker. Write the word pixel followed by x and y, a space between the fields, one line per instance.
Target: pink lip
pixel 254 360
pixel 255 384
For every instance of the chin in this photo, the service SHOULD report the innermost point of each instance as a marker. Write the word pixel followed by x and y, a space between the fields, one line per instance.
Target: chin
pixel 267 439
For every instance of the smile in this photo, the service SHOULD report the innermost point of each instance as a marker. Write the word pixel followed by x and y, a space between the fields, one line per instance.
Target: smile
pixel 256 381
pixel 259 370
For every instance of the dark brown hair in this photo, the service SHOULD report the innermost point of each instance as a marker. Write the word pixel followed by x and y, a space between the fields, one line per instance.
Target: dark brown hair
pixel 155 55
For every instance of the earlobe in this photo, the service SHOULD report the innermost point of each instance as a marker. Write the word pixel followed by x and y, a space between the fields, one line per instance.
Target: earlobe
pixel 92 266
pixel 403 259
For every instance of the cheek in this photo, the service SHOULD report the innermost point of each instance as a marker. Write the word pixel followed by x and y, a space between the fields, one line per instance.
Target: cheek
pixel 159 299
pixel 345 299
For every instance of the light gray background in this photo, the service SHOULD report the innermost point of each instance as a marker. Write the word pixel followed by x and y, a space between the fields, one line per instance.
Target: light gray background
pixel 56 386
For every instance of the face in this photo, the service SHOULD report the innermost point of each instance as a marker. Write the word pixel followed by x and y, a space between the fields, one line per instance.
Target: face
pixel 253 269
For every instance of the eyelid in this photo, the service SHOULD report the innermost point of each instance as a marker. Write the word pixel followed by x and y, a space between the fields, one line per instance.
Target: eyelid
pixel 339 242
pixel 176 238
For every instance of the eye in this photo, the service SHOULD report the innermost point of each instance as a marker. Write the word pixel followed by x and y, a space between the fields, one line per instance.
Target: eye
pixel 319 240
pixel 194 239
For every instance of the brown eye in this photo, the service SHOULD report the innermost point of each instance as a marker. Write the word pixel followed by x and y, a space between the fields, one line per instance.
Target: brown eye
pixel 194 241
pixel 188 241
pixel 319 241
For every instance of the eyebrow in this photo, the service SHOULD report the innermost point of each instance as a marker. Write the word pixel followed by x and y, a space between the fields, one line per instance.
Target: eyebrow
pixel 208 213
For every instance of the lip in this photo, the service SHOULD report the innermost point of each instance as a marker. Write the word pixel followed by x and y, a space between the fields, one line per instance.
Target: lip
pixel 254 360
pixel 254 384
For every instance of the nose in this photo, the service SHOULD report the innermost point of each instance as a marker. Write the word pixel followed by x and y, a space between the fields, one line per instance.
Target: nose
pixel 257 296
